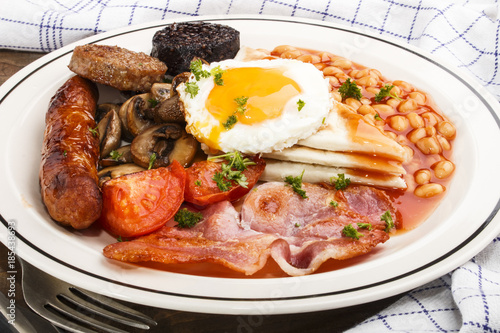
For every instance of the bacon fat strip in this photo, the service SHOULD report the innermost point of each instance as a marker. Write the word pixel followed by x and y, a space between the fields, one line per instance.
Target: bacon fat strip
pixel 70 154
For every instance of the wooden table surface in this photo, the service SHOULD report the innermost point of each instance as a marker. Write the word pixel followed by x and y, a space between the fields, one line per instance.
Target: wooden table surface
pixel 337 320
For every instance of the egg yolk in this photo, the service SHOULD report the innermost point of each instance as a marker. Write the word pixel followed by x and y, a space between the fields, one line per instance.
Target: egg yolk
pixel 266 91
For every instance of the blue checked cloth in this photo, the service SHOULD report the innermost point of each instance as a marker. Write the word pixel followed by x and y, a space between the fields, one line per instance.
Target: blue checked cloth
pixel 465 32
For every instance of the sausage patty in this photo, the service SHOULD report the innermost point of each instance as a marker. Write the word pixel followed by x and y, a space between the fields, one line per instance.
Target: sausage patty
pixel 117 67
pixel 70 155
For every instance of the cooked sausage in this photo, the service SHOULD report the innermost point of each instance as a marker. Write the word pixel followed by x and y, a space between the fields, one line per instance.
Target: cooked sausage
pixel 70 154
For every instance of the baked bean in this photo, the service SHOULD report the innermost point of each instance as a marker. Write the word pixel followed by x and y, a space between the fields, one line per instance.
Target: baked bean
pixel 326 56
pixel 383 109
pixel 405 86
pixel 279 50
pixel 342 63
pixel 376 72
pixel 352 102
pixel 291 54
pixel 443 169
pixel 366 109
pixel 429 145
pixel 429 190
pixel 407 105
pixel 334 82
pixel 354 73
pixel 370 118
pixel 320 65
pixel 416 134
pixel 430 130
pixel 336 96
pixel 331 70
pixel 360 73
pixel 365 100
pixel 430 118
pixel 391 135
pixel 445 144
pixel 422 176
pixel 393 102
pixel 367 81
pixel 409 152
pixel 446 129
pixel 419 97
pixel 373 90
pixel 415 120
pixel 399 123
pixel 309 58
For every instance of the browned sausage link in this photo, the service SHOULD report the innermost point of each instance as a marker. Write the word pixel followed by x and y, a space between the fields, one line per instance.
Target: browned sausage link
pixel 70 153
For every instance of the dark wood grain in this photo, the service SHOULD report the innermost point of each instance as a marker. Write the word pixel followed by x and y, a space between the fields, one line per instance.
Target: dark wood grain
pixel 337 320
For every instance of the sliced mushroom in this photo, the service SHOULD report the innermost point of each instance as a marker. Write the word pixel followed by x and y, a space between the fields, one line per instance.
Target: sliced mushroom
pixel 160 91
pixel 103 109
pixel 178 79
pixel 120 155
pixel 168 142
pixel 133 111
pixel 117 171
pixel 168 111
pixel 110 133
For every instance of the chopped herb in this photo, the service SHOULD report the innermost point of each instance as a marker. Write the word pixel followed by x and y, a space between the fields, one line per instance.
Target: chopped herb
pixel 385 92
pixel 153 102
pixel 300 104
pixel 377 117
pixel 196 68
pixel 365 226
pixel 334 203
pixel 223 184
pixel 192 88
pixel 197 182
pixel 350 231
pixel 340 182
pixel 115 155
pixel 241 101
pixel 140 64
pixel 186 218
pixel 152 159
pixel 231 120
pixel 323 121
pixel 65 153
pixel 297 225
pixel 387 218
pixel 217 74
pixel 232 171
pixel 350 89
pixel 94 131
pixel 296 183
pixel 120 239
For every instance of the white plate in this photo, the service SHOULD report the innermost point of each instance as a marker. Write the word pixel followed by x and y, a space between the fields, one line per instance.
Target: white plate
pixel 463 224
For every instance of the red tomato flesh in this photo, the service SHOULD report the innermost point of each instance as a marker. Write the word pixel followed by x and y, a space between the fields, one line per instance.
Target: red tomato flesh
pixel 140 203
pixel 202 190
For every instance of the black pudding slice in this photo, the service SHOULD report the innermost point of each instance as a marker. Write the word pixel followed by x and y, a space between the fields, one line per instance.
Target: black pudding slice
pixel 178 43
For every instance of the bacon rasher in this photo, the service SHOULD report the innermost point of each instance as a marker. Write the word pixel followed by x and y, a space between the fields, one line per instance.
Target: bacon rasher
pixel 299 234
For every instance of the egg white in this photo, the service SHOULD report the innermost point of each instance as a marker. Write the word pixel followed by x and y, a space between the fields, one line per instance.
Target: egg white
pixel 271 134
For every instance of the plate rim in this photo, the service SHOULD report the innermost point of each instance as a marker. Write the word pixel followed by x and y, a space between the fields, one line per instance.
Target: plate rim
pixel 470 83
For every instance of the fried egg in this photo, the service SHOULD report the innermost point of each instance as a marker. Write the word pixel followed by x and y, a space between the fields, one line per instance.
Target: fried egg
pixel 255 106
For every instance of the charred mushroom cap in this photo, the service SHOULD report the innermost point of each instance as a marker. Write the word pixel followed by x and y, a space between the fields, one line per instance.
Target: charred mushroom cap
pixel 167 111
pixel 117 171
pixel 178 79
pixel 103 109
pixel 120 155
pixel 160 91
pixel 133 116
pixel 110 133
pixel 168 142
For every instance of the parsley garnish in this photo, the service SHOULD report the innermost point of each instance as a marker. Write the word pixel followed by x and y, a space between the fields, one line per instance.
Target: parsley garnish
pixel 241 102
pixel 297 225
pixel 300 104
pixel 94 131
pixel 231 120
pixel 115 155
pixel 365 226
pixel 296 183
pixel 340 182
pixel 350 89
pixel 377 117
pixel 152 159
pixel 197 182
pixel 385 92
pixel 350 231
pixel 232 171
pixel 334 203
pixel 186 218
pixel 192 88
pixel 153 102
pixel 217 74
pixel 387 218
pixel 196 67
